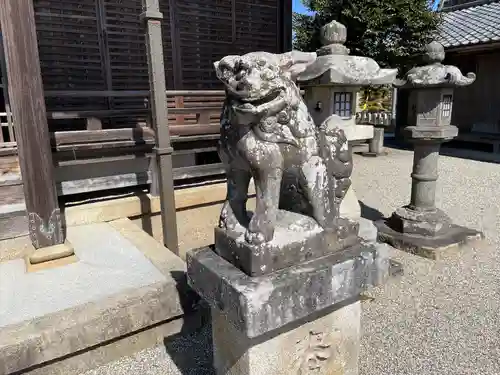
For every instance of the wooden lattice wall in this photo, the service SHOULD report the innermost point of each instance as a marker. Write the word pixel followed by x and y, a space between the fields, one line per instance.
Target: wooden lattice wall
pixel 99 44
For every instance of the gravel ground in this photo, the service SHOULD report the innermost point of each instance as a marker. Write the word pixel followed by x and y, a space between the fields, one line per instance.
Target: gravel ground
pixel 439 318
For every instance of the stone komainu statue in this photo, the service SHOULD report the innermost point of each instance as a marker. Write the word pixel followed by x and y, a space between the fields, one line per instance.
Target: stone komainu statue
pixel 268 134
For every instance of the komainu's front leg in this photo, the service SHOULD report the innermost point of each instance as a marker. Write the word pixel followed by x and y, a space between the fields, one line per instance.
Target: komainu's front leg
pixel 267 186
pixel 266 162
pixel 234 210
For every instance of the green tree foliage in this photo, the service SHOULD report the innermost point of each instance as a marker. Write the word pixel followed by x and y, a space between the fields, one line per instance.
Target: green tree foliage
pixel 392 32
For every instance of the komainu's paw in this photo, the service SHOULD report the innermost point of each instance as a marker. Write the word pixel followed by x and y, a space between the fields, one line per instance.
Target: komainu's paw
pixel 254 238
pixel 227 219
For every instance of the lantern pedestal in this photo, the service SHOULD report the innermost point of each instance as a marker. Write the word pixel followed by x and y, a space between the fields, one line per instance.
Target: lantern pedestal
pixel 376 145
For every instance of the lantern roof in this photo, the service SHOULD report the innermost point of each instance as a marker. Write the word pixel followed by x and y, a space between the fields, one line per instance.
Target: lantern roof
pixel 334 65
pixel 435 74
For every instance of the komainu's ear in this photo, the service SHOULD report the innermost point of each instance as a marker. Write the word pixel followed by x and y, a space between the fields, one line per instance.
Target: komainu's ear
pixel 295 62
pixel 224 67
pixel 216 65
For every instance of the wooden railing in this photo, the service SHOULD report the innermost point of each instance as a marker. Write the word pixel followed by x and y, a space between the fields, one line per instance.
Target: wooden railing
pixel 374 118
pixel 7 134
pixel 115 145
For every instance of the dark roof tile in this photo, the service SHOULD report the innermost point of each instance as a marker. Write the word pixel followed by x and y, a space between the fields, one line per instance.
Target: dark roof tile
pixel 473 25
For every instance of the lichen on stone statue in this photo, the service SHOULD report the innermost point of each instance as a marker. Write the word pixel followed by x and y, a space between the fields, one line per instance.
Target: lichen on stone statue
pixel 267 133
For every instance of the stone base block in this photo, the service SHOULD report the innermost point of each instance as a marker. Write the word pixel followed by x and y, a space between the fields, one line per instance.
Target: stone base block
pixel 259 305
pixel 297 238
pixel 47 254
pixel 326 345
pixel 427 246
pixel 424 223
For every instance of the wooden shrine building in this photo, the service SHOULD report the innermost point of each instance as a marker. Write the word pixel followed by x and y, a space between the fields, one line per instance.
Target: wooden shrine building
pixel 94 68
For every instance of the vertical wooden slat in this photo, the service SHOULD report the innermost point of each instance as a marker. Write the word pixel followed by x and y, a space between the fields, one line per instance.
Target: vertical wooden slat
pixel 179 103
pixel 70 52
pixel 2 140
pixel 152 16
pixel 104 48
pixel 82 42
pixel 93 123
pixel 28 106
pixel 176 46
pixel 5 88
pixel 233 19
pixel 203 118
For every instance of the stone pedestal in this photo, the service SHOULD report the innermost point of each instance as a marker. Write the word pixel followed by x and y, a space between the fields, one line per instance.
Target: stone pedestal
pixel 324 346
pixel 302 316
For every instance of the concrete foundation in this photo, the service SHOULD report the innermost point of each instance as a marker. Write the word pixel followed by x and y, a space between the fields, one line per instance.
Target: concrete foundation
pixel 123 282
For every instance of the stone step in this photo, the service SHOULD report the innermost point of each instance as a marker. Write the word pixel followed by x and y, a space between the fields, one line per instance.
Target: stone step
pixel 13 219
pixel 125 293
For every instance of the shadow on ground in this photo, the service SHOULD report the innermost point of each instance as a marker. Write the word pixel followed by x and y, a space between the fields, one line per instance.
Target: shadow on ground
pixel 192 353
pixel 191 350
pixel 370 213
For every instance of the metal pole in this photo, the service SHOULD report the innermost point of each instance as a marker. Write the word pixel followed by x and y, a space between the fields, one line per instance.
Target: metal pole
pixel 152 17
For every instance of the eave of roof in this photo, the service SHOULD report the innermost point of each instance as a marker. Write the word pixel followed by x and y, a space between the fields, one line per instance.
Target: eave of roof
pixel 470 24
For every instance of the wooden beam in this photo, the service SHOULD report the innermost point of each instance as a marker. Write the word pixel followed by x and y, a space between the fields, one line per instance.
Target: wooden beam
pixel 199 171
pixel 152 17
pixel 30 119
pixel 129 93
pixel 88 185
pixel 107 135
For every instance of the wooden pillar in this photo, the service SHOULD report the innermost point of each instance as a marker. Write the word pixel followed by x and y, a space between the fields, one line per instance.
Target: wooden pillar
pixel 152 17
pixel 28 108
pixel 285 40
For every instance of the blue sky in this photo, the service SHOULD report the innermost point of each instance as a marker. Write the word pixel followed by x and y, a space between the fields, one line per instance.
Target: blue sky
pixel 299 8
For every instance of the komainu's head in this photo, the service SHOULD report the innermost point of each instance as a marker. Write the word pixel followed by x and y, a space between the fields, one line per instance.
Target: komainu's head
pixel 260 76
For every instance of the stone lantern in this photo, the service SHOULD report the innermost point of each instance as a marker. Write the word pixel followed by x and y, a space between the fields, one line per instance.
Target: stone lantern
pixel 420 227
pixel 332 84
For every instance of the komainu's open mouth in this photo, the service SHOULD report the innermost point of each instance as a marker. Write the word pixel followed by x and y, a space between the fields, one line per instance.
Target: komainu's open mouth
pixel 257 101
